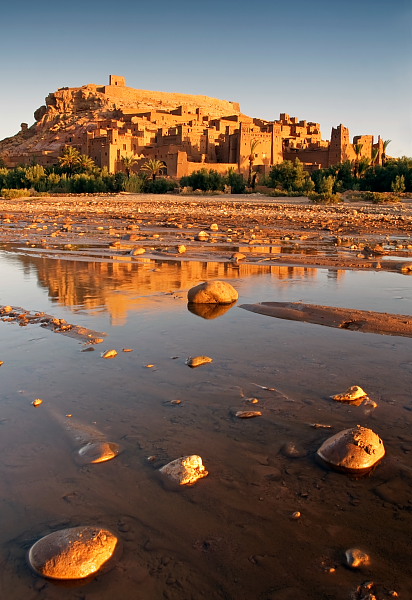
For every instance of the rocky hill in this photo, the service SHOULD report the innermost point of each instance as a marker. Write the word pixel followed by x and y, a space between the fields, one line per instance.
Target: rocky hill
pixel 69 112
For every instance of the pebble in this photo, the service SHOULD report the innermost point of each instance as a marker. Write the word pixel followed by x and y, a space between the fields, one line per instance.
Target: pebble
pixel 97 452
pixel 202 236
pixel 137 251
pixel 74 553
pixel 37 402
pixel 351 395
pixel 248 414
pixel 356 558
pixel 214 227
pixel 185 470
pixel 109 354
pixel 196 361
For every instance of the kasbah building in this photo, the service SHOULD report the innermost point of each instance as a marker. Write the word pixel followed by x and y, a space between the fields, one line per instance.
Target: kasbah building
pixel 186 132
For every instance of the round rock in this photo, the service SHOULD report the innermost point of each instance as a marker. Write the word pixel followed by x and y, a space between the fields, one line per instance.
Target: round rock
pixel 356 559
pixel 355 449
pixel 213 292
pixel 97 452
pixel 185 470
pixel 75 553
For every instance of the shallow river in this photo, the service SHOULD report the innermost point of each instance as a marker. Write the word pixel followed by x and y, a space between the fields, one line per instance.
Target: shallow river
pixel 231 535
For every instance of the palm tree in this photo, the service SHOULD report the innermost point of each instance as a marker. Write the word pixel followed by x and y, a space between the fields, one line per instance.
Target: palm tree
pixel 86 164
pixel 374 156
pixel 357 148
pixel 128 162
pixel 69 158
pixel 153 166
pixel 363 165
pixel 385 145
pixel 253 146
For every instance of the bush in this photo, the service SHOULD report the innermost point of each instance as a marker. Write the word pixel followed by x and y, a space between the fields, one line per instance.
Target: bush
pixel 159 186
pixel 236 182
pixel 284 194
pixel 204 180
pixel 11 193
pixel 324 198
pixel 135 184
pixel 291 177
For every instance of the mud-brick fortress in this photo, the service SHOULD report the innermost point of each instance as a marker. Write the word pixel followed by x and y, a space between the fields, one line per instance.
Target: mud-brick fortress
pixel 186 132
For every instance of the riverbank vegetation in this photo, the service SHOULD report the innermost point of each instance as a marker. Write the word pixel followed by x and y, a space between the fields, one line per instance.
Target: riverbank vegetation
pixel 78 174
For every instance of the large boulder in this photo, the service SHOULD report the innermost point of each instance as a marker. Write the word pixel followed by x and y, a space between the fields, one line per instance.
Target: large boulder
pixel 74 553
pixel 355 449
pixel 212 292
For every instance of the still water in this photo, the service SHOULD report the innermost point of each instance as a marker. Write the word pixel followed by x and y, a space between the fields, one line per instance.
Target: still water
pixel 230 536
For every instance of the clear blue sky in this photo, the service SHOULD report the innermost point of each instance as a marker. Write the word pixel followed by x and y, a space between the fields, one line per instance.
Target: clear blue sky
pixel 326 61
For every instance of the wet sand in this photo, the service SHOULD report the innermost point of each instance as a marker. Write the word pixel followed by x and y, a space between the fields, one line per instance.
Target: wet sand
pixel 232 535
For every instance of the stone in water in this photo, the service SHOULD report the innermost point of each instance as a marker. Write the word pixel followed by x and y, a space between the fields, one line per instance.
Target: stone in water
pixel 248 414
pixel 97 452
pixel 353 394
pixel 355 449
pixel 196 361
pixel 185 470
pixel 212 292
pixel 75 553
pixel 356 558
pixel 109 354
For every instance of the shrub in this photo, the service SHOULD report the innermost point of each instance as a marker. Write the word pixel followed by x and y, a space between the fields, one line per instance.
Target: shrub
pixel 159 186
pixel 10 193
pixel 204 180
pixel 236 182
pixel 135 184
pixel 291 177
pixel 324 198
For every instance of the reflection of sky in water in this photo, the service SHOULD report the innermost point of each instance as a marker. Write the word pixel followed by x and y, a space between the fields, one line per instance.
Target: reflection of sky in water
pixel 117 290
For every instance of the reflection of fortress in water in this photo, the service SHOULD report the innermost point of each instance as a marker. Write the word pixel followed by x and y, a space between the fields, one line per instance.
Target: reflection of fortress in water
pixel 120 287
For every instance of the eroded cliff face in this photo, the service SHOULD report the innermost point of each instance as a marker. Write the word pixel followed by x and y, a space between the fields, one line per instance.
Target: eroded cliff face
pixel 69 112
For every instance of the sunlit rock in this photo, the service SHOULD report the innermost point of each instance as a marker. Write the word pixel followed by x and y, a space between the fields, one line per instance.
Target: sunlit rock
pixel 109 354
pixel 137 251
pixel 247 414
pixel 353 394
pixel 210 311
pixel 202 236
pixel 97 452
pixel 181 249
pixel 75 553
pixel 196 361
pixel 214 227
pixel 185 470
pixel 213 292
pixel 355 449
pixel 356 559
